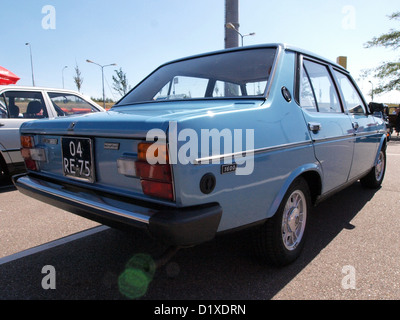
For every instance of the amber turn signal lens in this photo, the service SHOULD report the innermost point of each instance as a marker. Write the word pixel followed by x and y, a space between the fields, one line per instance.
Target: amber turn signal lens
pixel 153 152
pixel 27 142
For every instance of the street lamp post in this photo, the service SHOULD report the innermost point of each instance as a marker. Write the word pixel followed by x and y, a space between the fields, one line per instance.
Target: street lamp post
pixel 372 90
pixel 30 50
pixel 230 25
pixel 62 74
pixel 102 77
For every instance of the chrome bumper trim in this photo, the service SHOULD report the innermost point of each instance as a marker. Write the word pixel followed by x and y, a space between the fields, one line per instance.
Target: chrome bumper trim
pixel 96 202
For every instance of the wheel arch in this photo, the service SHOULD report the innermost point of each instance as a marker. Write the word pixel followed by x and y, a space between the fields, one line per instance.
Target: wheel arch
pixel 3 164
pixel 311 173
pixel 382 146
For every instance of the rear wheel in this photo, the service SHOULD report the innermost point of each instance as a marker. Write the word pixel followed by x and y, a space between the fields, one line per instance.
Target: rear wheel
pixel 280 240
pixel 375 177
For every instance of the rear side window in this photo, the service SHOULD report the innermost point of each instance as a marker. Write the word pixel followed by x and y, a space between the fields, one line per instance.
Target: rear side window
pixel 318 92
pixel 352 100
pixel 69 104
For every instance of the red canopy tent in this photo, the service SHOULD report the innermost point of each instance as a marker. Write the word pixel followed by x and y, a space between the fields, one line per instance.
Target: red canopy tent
pixel 7 77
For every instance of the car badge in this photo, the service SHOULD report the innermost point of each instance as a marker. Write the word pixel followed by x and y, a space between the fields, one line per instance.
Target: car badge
pixel 71 126
pixel 111 146
pixel 227 168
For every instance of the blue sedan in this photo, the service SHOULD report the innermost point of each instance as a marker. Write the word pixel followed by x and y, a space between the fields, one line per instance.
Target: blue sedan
pixel 238 138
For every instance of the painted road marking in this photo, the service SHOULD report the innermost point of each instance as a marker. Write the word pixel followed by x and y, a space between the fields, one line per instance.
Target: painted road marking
pixel 52 244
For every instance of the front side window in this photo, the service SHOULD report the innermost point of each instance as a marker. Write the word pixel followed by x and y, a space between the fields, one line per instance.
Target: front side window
pixel 352 100
pixel 243 73
pixel 323 87
pixel 25 104
pixel 69 104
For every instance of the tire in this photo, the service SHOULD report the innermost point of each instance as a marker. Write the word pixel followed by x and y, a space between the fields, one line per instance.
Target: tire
pixel 375 177
pixel 280 240
pixel 3 170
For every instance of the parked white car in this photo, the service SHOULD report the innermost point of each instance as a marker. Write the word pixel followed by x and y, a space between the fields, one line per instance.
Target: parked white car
pixel 19 104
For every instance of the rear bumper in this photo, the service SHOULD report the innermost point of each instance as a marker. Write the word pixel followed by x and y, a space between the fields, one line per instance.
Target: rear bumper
pixel 173 226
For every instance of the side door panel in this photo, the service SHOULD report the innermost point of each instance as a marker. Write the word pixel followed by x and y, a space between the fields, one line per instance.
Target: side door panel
pixel 330 128
pixel 367 137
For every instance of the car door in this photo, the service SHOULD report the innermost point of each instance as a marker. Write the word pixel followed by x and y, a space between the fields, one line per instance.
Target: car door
pixel 329 127
pixel 365 126
pixel 20 106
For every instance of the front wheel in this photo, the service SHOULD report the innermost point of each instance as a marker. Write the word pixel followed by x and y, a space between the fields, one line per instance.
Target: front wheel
pixel 280 240
pixel 375 177
pixel 3 170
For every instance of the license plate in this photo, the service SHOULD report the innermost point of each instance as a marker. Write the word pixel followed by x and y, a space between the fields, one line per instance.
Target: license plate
pixel 77 159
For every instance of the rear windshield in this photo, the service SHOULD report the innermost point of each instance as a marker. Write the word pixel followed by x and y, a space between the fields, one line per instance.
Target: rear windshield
pixel 243 73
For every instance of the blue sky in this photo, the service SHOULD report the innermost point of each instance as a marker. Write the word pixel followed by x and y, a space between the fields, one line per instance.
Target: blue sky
pixel 140 35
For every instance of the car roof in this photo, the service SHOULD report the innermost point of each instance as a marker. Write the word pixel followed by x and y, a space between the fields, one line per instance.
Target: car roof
pixel 282 46
pixel 31 88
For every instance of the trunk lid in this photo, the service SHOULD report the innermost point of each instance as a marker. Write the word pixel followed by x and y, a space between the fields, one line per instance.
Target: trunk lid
pixel 112 135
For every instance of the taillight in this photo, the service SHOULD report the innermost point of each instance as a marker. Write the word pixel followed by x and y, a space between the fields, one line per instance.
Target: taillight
pixel 152 167
pixel 160 172
pixel 31 154
pixel 157 189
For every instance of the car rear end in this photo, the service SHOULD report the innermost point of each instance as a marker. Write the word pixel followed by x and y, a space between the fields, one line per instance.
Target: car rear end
pixel 102 166
pixel 101 172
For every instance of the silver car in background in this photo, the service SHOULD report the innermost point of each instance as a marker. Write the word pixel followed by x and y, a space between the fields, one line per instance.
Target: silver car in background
pixel 19 104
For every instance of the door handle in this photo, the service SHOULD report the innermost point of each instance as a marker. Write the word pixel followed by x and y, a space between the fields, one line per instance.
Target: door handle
pixel 314 126
pixel 2 124
pixel 355 125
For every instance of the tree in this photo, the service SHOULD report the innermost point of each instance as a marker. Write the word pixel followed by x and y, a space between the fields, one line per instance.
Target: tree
pixel 120 82
pixel 78 78
pixel 387 72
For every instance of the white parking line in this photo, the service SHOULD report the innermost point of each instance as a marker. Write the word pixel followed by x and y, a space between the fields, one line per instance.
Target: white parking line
pixel 52 244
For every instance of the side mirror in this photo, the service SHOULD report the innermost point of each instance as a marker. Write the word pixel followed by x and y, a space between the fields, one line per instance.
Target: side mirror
pixel 376 107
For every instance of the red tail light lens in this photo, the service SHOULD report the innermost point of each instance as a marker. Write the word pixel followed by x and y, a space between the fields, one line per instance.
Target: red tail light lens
pixel 153 169
pixel 156 179
pixel 160 172
pixel 158 189
pixel 31 164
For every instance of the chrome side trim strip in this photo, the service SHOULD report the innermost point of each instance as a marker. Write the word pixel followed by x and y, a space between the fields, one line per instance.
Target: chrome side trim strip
pixel 347 136
pixel 219 157
pixel 12 150
pixel 210 159
pixel 97 205
pixel 338 138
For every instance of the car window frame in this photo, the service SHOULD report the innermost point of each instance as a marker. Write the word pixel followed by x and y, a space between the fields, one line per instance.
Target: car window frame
pixel 299 67
pixel 357 89
pixel 3 110
pixel 278 53
pixel 24 90
pixel 53 109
